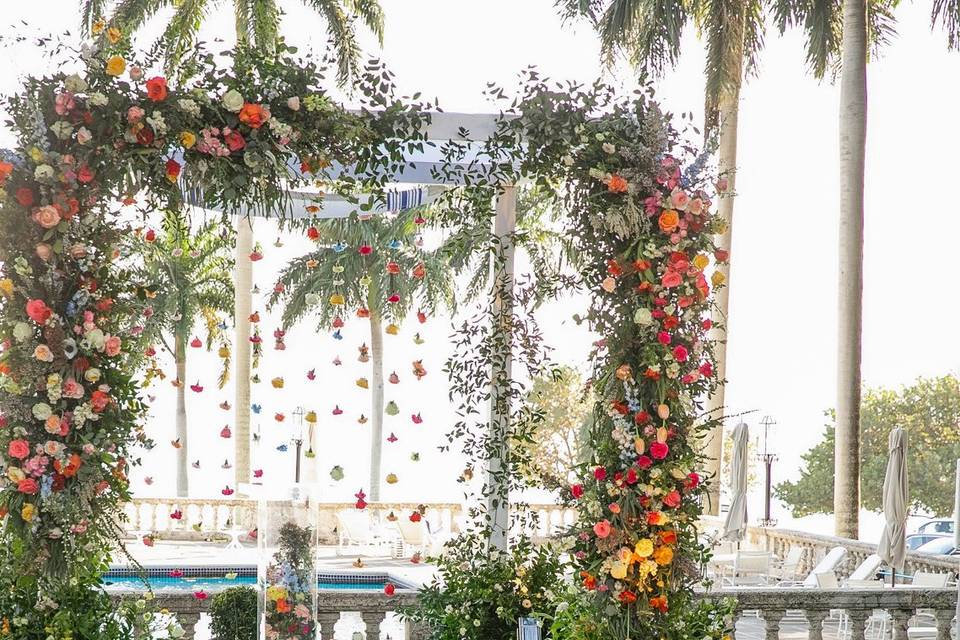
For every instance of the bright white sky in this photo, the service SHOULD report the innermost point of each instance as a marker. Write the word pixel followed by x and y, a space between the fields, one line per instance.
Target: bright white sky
pixel 783 303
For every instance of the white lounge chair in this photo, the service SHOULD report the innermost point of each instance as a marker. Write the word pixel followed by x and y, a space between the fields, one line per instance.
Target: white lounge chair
pixel 413 536
pixel 788 567
pixel 930 579
pixel 356 529
pixel 867 569
pixel 750 568
pixel 828 564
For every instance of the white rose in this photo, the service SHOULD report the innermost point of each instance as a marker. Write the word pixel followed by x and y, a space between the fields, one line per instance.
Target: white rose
pixel 75 84
pixel 643 316
pixel 189 106
pixel 42 411
pixel 95 338
pixel 83 135
pixel 98 100
pixel 91 375
pixel 22 331
pixel 233 101
pixel 62 129
pixel 43 172
pixel 294 103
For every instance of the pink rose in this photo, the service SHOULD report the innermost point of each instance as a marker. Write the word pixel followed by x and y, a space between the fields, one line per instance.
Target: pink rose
pixel 671 279
pixel 680 353
pixel 134 114
pixel 43 251
pixel 28 486
pixel 19 449
pixel 64 103
pixel 72 389
pixel 672 499
pixel 47 216
pixel 679 199
pixel 602 528
pixel 659 450
pixel 695 206
pixel 111 346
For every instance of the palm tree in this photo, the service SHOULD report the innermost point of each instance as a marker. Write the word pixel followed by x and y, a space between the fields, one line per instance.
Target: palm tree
pixel 257 22
pixel 648 35
pixel 188 278
pixel 374 268
pixel 845 36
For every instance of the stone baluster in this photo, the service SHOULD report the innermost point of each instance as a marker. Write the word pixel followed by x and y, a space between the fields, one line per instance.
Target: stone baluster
pixel 944 618
pixel 733 623
pixel 857 621
pixel 900 622
pixel 815 620
pixel 371 623
pixel 771 623
pixel 189 623
pixel 328 621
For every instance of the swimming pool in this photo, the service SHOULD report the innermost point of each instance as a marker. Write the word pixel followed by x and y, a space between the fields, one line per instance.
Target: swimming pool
pixel 170 578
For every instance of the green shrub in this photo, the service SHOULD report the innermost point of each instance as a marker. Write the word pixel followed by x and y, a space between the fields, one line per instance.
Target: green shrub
pixel 233 614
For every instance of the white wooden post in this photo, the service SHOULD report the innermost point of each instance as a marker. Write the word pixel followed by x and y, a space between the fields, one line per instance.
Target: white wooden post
pixel 242 286
pixel 504 226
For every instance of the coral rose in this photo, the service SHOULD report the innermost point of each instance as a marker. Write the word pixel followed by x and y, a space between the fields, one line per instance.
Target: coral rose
pixel 602 528
pixel 47 216
pixel 671 279
pixel 28 486
pixel 617 184
pixel 253 115
pixel 111 346
pixel 234 141
pixel 19 449
pixel 669 220
pixel 157 89
pixel 38 311
pixel 672 499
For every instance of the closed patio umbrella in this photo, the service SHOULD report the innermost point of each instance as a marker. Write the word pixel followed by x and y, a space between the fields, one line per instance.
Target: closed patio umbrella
pixel 735 526
pixel 896 493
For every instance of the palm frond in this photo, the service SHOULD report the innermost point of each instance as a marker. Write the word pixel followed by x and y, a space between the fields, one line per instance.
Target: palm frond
pixel 342 36
pixel 243 21
pixel 181 32
pixel 947 13
pixel 90 12
pixel 132 14
pixel 370 13
pixel 265 23
pixel 647 31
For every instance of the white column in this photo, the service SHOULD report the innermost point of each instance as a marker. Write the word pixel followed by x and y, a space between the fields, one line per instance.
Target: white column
pixel 242 285
pixel 498 513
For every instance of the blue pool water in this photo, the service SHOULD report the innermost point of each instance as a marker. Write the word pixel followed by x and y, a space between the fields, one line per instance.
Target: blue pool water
pixel 216 579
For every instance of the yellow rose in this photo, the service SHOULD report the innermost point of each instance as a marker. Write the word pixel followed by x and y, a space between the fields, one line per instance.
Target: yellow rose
pixel 701 262
pixel 6 287
pixel 618 571
pixel 644 547
pixel 275 592
pixel 27 512
pixel 116 65
pixel 16 474
pixel 98 27
pixel 718 278
pixel 187 139
pixel 113 35
pixel 36 154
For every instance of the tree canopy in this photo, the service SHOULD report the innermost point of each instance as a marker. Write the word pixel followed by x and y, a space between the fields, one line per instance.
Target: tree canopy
pixel 929 411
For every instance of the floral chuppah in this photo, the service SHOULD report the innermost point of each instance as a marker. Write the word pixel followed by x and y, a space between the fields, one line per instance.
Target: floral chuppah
pixel 90 143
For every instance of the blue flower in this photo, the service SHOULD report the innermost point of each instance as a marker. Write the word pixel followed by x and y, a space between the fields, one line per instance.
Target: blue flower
pixel 395 244
pixel 339 247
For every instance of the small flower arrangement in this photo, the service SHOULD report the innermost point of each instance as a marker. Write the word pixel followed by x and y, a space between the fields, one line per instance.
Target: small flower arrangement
pixel 290 588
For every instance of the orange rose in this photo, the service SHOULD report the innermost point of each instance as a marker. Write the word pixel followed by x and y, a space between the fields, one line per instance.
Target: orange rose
pixel 5 170
pixel 668 537
pixel 253 115
pixel 659 603
pixel 283 606
pixel 617 184
pixel 663 556
pixel 157 89
pixel 669 221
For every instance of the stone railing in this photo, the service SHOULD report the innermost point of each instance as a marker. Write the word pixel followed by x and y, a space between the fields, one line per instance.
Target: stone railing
pixel 851 610
pixel 550 520
pixel 205 517
pixel 372 607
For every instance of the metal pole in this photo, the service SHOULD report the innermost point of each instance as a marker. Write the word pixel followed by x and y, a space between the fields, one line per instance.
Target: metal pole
pixel 766 508
pixel 299 444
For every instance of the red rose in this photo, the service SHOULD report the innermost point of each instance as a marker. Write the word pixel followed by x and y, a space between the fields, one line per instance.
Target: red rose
pixel 145 136
pixel 631 476
pixel 680 353
pixel 707 324
pixel 157 89
pixel 313 233
pixel 663 337
pixel 28 486
pixel 671 322
pixel 84 174
pixel 672 499
pixel 576 491
pixel 644 462
pixel 692 481
pixel 38 311
pixel 659 450
pixel 25 197
pixel 706 369
pixel 173 170
pixel 600 473
pixel 235 141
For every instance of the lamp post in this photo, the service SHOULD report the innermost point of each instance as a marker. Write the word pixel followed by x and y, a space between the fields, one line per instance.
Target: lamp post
pixel 298 441
pixel 768 459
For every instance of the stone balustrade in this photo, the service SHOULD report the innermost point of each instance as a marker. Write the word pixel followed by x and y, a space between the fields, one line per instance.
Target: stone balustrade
pixel 372 607
pixel 204 517
pixel 856 610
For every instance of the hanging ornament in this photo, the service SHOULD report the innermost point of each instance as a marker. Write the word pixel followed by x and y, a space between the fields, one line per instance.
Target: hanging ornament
pixel 255 290
pixel 227 491
pixel 392 478
pixel 311 417
pixel 393 268
pixel 392 408
pixel 177 383
pixel 336 361
pixel 362 419
pixel 278 242
pixel 395 244
pixel 255 378
pixel 176 515
pixel 365 280
pixel 282 448
pixel 419 220
pixel 258 473
pixel 416 418
pixel 365 249
pixel 255 317
pixel 279 417
pixel 419 271
pixel 392 329
pixel 278 343
pixel 337 322
pixel 312 263
pixel 467 474
pixel 223 351
pixel 338 268
pixel 339 247
pixel 337 473
pixel 417 339
pixel 312 374
pixel 195 464
pixel 148 480
pixel 358 563
pixel 421 317
pixel 363 216
pixel 226 465
pixel 196 388
pixel 415 516
pixel 415 457
pixel 391 517
pixel 195 343
pixel 394 378
pixel 277 382
pixel 361 502
pixel 313 233
pixel 311 299
pixel 416 558
pixel 256 408
pixel 225 405
pixel 336 299
pixel 337 410
pixel 337 335
pixel 279 287
pixel 310 453
pixel 394 298
pixel 392 438
pixel 418 369
pixel 363 312
pixel 256 256
pixel 364 353
pixel 419 241
pixel 225 432
pixel 362 383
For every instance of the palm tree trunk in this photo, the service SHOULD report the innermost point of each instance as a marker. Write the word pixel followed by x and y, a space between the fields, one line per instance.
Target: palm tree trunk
pixel 180 358
pixel 853 140
pixel 242 285
pixel 376 410
pixel 727 152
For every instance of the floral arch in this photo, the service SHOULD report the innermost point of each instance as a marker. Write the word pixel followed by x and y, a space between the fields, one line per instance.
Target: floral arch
pixel 112 136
